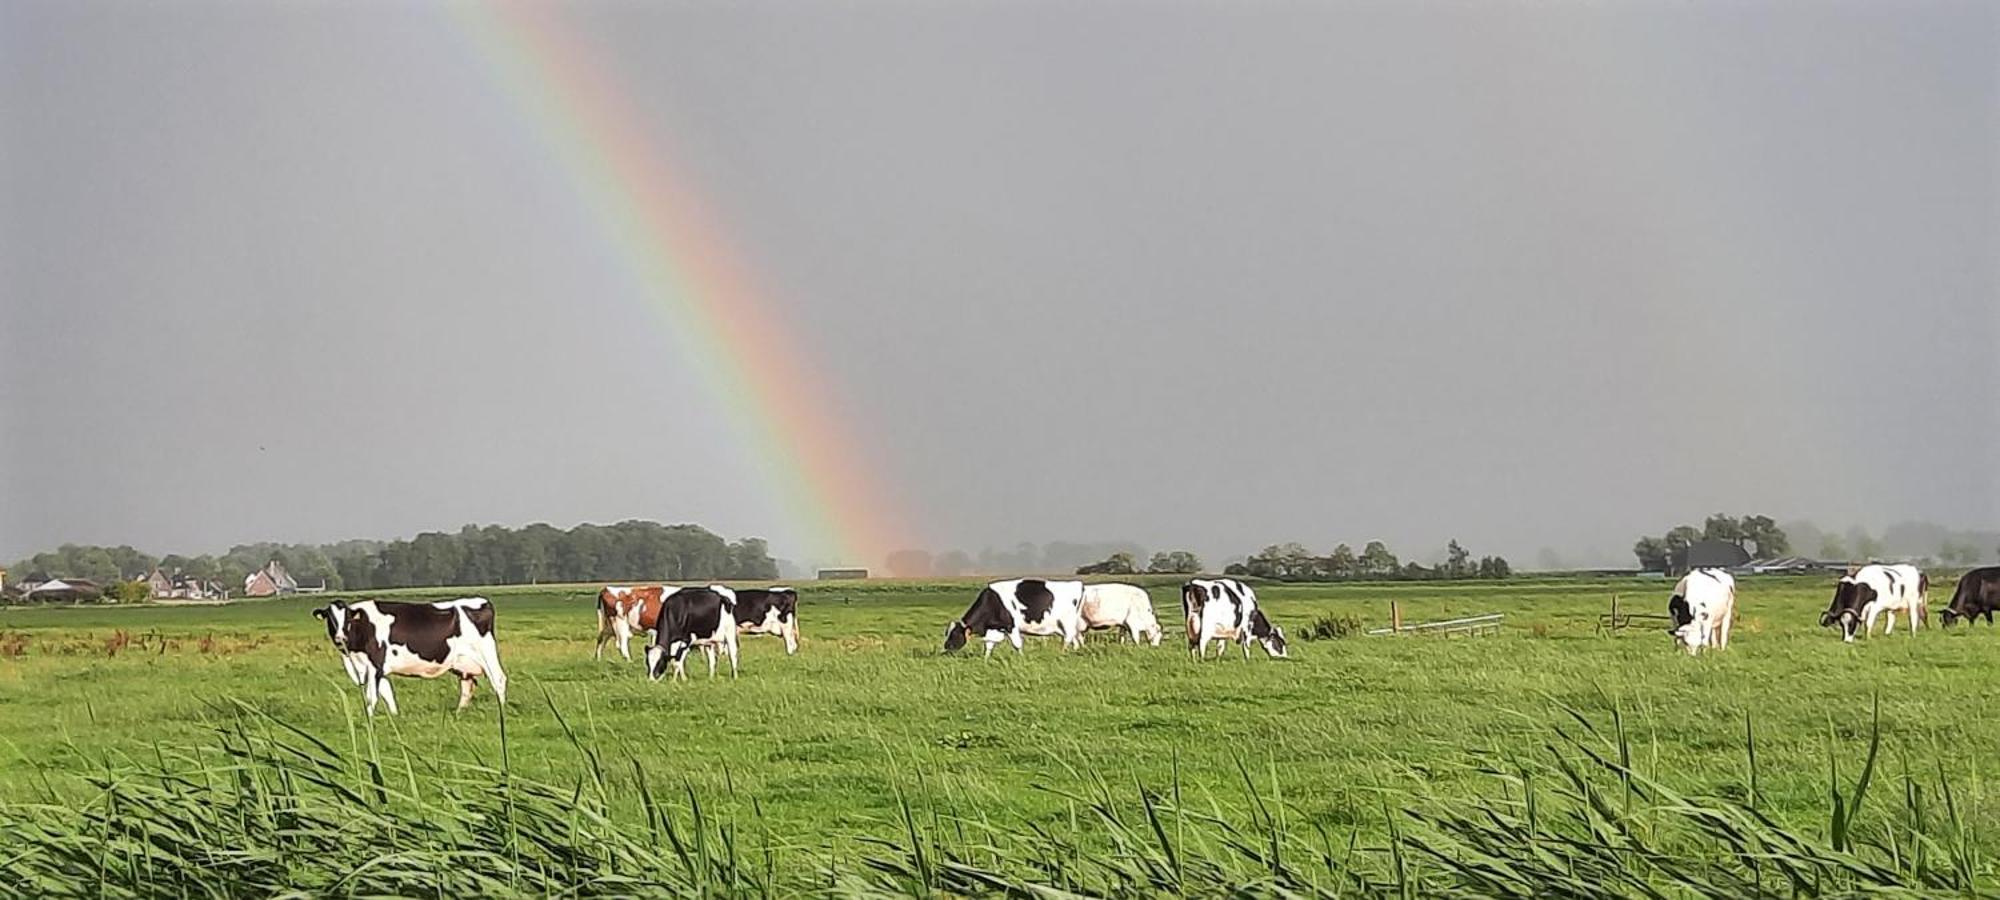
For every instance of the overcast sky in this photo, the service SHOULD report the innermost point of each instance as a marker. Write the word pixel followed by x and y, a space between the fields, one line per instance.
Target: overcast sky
pixel 1212 275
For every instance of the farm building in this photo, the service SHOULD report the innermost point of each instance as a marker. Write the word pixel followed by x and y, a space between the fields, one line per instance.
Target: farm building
pixel 1709 555
pixel 1783 565
pixel 181 586
pixel 842 574
pixel 270 580
pixel 73 589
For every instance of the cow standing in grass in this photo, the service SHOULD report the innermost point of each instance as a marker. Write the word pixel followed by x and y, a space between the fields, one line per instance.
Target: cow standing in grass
pixel 1866 594
pixel 1978 594
pixel 623 610
pixel 379 638
pixel 769 611
pixel 1223 610
pixel 1702 609
pixel 1123 606
pixel 1005 610
pixel 690 618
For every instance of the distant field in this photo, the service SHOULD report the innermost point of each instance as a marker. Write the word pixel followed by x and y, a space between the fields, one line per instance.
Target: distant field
pixel 824 743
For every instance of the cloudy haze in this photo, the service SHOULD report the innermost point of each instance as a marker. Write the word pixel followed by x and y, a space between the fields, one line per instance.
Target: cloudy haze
pixel 1203 275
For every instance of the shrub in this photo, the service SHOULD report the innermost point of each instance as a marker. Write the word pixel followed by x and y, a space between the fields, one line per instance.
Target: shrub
pixel 1327 628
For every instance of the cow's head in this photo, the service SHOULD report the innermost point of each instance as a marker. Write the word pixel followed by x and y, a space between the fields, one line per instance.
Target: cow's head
pixel 335 615
pixel 1850 597
pixel 954 636
pixel 1275 643
pixel 659 659
pixel 1692 634
pixel 1268 634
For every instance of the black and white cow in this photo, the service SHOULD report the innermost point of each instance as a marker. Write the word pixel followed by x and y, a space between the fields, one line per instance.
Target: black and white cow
pixel 380 638
pixel 1224 610
pixel 1978 594
pixel 769 611
pixel 1861 596
pixel 1703 607
pixel 1005 610
pixel 689 618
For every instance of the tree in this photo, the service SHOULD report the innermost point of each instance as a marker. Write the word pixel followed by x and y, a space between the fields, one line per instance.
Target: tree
pixel 1653 554
pixel 1120 563
pixel 1866 547
pixel 1832 547
pixel 1957 554
pixel 1457 562
pixel 1341 563
pixel 750 558
pixel 1376 561
pixel 951 564
pixel 1721 527
pixel 1770 540
pixel 1176 562
pixel 909 563
pixel 1494 567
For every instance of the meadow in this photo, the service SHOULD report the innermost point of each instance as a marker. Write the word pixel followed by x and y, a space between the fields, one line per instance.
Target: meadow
pixel 869 762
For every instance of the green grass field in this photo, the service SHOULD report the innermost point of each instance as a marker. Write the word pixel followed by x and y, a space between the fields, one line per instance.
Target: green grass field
pixel 822 750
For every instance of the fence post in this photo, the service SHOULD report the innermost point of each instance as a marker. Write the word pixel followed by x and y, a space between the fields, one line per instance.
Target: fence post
pixel 1614 612
pixel 1395 617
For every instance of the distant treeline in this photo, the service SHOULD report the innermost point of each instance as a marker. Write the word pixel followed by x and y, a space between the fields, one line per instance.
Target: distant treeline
pixel 628 551
pixel 1293 562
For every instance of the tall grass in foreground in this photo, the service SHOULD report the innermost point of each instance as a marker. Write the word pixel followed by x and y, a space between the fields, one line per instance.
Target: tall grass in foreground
pixel 269 809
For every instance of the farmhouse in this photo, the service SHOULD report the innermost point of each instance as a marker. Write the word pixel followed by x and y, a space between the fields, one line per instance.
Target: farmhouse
pixel 270 580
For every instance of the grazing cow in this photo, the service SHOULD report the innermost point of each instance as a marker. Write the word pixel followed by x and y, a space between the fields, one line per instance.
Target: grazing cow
pixel 624 609
pixel 1702 609
pixel 1978 594
pixel 769 611
pixel 1224 610
pixel 1124 606
pixel 689 618
pixel 379 638
pixel 1005 610
pixel 1860 596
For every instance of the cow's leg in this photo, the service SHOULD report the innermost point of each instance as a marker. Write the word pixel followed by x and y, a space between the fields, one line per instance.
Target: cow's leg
pixel 1014 637
pixel 708 653
pixel 1722 632
pixel 465 690
pixel 791 637
pixel 731 647
pixel 389 696
pixel 623 629
pixel 373 691
pixel 603 631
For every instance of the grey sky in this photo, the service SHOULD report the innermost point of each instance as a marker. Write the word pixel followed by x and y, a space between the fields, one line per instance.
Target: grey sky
pixel 1207 275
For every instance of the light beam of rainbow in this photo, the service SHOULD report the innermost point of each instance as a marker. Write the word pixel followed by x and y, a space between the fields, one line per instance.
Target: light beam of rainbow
pixel 687 274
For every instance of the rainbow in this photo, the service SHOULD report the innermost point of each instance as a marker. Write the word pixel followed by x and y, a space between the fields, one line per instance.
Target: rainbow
pixel 835 506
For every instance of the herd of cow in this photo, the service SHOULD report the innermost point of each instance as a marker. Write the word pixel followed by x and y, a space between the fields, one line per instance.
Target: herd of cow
pixel 379 638
pixel 1703 604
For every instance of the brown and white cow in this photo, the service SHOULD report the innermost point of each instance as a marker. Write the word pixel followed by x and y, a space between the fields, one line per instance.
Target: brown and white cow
pixel 623 609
